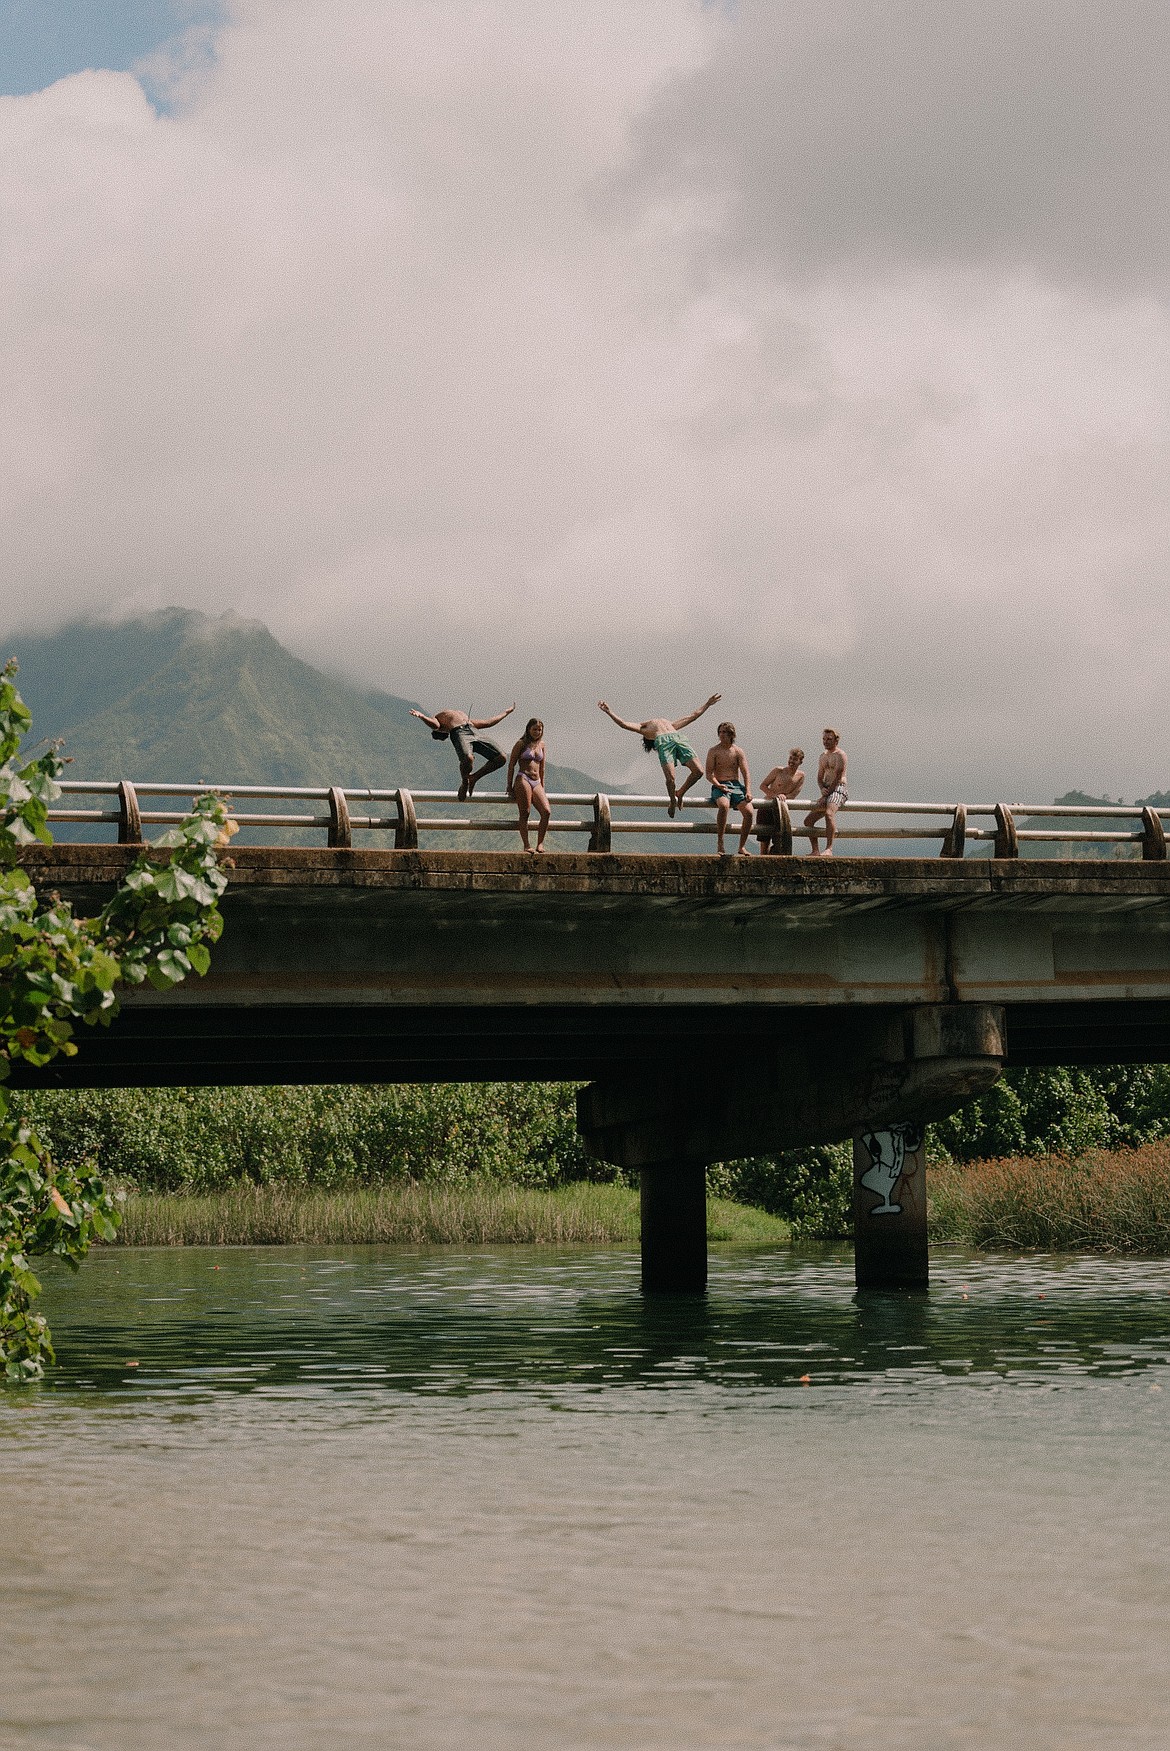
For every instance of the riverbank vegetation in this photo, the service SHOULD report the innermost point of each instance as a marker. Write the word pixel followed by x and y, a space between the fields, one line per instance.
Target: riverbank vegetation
pixel 1109 1201
pixel 474 1214
pixel 500 1161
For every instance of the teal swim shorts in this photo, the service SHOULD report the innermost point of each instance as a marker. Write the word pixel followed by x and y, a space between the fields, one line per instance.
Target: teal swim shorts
pixel 673 749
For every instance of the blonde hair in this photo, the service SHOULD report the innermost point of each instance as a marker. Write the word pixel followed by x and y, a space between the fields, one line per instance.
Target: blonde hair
pixel 796 753
pixel 836 734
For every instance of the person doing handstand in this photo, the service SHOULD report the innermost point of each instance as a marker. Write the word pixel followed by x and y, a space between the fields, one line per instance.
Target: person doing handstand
pixel 731 787
pixel 526 781
pixel 831 784
pixel 461 729
pixel 782 781
pixel 660 736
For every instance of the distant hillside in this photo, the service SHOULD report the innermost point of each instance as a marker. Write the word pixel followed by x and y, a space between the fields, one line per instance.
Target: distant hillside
pixel 1084 823
pixel 178 695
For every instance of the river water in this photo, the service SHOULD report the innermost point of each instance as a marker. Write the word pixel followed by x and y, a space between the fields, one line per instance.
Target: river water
pixel 380 1497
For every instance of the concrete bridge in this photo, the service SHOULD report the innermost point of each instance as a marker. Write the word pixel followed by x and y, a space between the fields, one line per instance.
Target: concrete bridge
pixel 714 1009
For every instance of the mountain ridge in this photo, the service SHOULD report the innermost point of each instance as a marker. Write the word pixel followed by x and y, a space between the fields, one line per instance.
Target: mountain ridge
pixel 180 696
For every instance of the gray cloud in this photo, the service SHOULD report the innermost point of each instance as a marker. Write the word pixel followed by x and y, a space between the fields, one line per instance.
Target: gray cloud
pixel 1028 133
pixel 363 341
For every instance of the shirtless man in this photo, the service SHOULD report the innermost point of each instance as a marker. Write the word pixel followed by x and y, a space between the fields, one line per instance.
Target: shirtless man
pixel 461 729
pixel 782 781
pixel 831 784
pixel 731 787
pixel 660 736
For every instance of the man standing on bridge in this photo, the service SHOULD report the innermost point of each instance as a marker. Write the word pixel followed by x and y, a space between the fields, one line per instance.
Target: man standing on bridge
pixel 831 784
pixel 461 729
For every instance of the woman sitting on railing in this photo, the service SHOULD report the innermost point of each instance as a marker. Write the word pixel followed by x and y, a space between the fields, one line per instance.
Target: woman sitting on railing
pixel 526 781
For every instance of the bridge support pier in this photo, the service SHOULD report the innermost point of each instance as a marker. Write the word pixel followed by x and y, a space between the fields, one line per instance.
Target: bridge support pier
pixel 889 1208
pixel 877 1078
pixel 674 1229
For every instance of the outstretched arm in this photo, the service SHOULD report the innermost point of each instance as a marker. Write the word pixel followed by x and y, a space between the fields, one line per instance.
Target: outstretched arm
pixel 619 721
pixel 681 722
pixel 485 723
pixel 431 722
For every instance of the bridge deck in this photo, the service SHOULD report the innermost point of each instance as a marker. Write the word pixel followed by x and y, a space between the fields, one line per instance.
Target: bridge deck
pixel 361 965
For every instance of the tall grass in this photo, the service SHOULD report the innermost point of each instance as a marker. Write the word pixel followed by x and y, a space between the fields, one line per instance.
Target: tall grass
pixel 482 1214
pixel 1103 1201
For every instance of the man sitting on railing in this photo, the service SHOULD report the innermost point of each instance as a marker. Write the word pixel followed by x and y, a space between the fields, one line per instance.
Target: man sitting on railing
pixel 782 781
pixel 731 787
pixel 460 728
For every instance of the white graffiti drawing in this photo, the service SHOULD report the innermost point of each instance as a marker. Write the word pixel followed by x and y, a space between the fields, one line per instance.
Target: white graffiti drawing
pixel 887 1151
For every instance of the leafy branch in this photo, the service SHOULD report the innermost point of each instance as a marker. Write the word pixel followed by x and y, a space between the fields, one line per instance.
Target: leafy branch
pixel 57 970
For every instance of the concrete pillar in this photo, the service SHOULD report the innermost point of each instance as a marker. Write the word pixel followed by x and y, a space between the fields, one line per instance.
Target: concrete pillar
pixel 674 1229
pixel 889 1208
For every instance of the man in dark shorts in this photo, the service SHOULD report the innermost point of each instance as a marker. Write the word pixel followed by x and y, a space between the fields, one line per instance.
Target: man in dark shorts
pixel 461 729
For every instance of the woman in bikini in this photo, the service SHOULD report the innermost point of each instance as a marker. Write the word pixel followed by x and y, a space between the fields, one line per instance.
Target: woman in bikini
pixel 526 781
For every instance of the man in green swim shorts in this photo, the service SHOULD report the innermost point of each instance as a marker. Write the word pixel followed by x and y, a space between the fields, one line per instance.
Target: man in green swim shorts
pixel 660 736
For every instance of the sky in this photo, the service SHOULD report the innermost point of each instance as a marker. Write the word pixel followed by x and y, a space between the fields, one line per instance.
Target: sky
pixel 632 349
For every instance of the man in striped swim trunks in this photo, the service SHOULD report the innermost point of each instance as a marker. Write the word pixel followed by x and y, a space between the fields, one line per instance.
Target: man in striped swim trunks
pixel 660 736
pixel 831 784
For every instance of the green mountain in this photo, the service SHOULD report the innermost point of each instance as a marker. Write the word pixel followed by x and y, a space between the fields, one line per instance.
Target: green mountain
pixel 180 696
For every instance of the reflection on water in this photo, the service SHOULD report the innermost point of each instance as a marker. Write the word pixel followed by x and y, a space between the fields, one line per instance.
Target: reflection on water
pixel 204 1321
pixel 282 1496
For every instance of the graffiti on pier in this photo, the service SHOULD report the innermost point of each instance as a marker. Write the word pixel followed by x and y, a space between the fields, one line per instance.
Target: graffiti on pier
pixel 893 1157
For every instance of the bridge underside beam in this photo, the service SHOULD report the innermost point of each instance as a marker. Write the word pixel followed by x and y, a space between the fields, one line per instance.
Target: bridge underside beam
pixel 200 1044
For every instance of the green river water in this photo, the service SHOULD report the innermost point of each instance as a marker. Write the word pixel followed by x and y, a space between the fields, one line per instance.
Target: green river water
pixel 381 1497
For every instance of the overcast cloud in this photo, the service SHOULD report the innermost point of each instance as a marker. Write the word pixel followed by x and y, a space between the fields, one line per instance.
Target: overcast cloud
pixel 640 348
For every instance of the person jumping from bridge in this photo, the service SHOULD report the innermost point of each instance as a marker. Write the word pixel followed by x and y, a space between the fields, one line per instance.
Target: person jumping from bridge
pixel 467 744
pixel 660 736
pixel 526 781
pixel 731 787
pixel 782 781
pixel 831 784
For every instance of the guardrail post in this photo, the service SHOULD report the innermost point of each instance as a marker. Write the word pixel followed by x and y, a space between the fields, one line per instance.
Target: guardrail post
pixel 1006 842
pixel 784 818
pixel 1153 837
pixel 774 827
pixel 601 838
pixel 340 831
pixel 129 815
pixel 955 837
pixel 406 833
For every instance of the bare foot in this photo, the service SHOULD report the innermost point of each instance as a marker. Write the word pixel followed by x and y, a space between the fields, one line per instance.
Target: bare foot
pixel 743 851
pixel 540 849
pixel 672 805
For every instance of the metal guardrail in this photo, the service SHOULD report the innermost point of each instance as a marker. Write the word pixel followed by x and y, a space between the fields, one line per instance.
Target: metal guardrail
pixel 341 818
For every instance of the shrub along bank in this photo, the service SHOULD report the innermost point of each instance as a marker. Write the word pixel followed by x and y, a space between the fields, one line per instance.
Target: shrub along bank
pixel 199 1142
pixel 1105 1201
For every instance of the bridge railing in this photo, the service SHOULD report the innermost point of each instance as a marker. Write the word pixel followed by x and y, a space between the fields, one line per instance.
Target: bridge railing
pixel 345 811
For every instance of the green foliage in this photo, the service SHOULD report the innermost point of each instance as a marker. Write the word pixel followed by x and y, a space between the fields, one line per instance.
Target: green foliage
pixel 56 970
pixel 196 1140
pixel 812 1189
pixel 1059 1112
